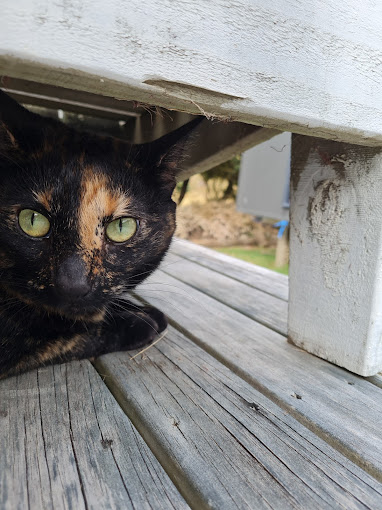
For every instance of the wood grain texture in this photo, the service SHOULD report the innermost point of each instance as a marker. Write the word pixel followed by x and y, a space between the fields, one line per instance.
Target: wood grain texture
pixel 226 444
pixel 309 67
pixel 335 306
pixel 260 306
pixel 341 407
pixel 66 444
pixel 255 276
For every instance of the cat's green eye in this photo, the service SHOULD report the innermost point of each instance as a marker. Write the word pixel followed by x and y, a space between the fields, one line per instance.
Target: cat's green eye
pixel 121 230
pixel 33 223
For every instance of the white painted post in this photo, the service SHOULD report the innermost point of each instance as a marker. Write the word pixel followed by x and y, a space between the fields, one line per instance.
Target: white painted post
pixel 336 253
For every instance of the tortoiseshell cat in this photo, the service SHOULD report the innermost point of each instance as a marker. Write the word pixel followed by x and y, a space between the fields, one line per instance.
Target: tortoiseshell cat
pixel 83 218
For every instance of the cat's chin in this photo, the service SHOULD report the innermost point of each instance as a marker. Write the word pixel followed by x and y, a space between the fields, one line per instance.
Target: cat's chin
pixel 89 308
pixel 79 313
pixel 75 312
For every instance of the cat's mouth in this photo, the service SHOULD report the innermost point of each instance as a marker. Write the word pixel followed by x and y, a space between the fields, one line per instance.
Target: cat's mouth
pixel 90 314
pixel 80 309
pixel 86 307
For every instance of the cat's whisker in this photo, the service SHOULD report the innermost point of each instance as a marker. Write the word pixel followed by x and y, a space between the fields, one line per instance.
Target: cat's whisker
pixel 181 291
pixel 145 288
pixel 159 298
pixel 141 318
pixel 8 303
pixel 143 284
pixel 108 316
pixel 161 266
pixel 146 296
pixel 136 307
pixel 10 319
pixel 156 297
pixel 123 302
pixel 7 308
pixel 145 292
pixel 178 292
pixel 7 157
pixel 168 293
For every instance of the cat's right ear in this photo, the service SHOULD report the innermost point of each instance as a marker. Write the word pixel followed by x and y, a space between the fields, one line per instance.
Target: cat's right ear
pixel 162 158
pixel 20 129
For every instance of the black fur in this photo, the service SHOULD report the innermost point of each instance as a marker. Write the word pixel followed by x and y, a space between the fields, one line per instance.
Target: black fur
pixel 63 295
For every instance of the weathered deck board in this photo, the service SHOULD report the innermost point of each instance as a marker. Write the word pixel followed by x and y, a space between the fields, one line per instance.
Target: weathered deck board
pixel 339 406
pixel 226 444
pixel 66 444
pixel 260 306
pixel 255 276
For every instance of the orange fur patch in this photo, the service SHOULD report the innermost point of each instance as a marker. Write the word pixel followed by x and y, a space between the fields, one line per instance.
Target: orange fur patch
pixel 98 200
pixel 44 197
pixel 59 348
pixel 52 352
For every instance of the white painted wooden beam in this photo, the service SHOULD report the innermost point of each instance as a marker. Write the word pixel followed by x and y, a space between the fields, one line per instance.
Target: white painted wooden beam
pixel 311 67
pixel 335 308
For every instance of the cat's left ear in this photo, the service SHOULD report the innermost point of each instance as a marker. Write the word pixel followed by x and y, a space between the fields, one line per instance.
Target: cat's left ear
pixel 19 128
pixel 163 158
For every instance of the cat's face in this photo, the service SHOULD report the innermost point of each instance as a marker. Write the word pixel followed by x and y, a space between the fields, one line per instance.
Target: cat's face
pixel 82 218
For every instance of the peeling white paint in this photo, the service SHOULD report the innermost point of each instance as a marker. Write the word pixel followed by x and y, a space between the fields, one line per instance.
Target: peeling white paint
pixel 335 307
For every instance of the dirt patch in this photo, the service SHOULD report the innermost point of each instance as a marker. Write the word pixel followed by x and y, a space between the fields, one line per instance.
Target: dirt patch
pixel 218 223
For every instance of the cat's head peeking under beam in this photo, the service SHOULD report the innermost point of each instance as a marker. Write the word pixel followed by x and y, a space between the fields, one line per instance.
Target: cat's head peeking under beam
pixel 83 218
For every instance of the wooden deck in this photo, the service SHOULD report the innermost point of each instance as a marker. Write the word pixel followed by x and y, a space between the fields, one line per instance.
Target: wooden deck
pixel 221 413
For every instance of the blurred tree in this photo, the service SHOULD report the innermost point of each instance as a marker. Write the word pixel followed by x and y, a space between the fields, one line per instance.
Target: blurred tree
pixel 227 171
pixel 221 181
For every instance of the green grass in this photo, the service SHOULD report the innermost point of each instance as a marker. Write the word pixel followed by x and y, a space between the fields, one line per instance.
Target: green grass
pixel 264 257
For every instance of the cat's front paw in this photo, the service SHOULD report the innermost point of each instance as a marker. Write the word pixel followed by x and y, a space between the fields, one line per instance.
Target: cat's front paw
pixel 156 315
pixel 148 323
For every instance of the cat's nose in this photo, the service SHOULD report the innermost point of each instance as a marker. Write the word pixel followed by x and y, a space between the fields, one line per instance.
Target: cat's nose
pixel 72 278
